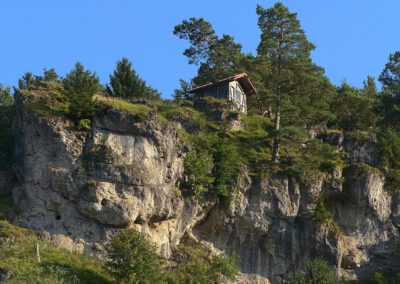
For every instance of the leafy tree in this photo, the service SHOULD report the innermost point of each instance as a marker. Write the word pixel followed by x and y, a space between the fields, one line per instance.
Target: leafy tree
pixel 389 104
pixel 217 58
pixel 125 83
pixel 50 75
pixel 296 86
pixel 131 259
pixel 318 271
pixel 80 85
pixel 5 96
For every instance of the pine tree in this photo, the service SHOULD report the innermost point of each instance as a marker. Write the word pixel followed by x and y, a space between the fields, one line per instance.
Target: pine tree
pixel 125 83
pixel 5 96
pixel 26 81
pixel 50 75
pixel 80 85
pixel 217 58
pixel 389 104
pixel 295 85
pixel 353 108
pixel 369 88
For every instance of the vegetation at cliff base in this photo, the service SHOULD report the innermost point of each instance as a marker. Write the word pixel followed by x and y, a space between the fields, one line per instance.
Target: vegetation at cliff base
pixel 19 264
pixel 317 271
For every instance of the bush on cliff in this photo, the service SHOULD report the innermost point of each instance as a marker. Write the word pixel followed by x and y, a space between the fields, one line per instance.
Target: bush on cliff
pixel 132 259
pixel 318 271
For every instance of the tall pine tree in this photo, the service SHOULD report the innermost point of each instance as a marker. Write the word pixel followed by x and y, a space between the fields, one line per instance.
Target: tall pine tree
pixel 295 85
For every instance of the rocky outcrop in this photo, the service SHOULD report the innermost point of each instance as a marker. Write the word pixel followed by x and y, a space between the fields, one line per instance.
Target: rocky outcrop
pixel 84 186
pixel 78 188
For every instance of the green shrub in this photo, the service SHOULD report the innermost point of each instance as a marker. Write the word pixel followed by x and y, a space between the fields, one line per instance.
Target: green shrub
pixel 84 124
pixel 198 169
pixel 132 259
pixel 226 170
pixel 318 271
pixel 225 265
pixel 321 213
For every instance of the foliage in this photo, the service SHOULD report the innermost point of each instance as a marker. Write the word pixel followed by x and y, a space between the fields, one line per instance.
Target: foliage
pixel 321 213
pixel 216 57
pixel 389 103
pixel 183 92
pixel 381 278
pixel 200 268
pixel 46 99
pixel 389 142
pixel 296 89
pixel 132 259
pixel 50 75
pixel 198 169
pixel 84 124
pixel 317 271
pixel 125 83
pixel 57 265
pixel 225 265
pixel 6 99
pixel 226 169
pixel 369 89
pixel 80 85
pixel 353 109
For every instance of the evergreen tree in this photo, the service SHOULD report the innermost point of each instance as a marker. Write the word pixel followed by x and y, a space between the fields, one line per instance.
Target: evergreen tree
pixel 26 81
pixel 369 89
pixel 217 58
pixel 80 85
pixel 183 92
pixel 50 75
pixel 296 86
pixel 389 104
pixel 5 96
pixel 353 109
pixel 125 83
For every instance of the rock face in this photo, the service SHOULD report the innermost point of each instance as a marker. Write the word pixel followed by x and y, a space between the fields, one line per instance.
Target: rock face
pixel 79 188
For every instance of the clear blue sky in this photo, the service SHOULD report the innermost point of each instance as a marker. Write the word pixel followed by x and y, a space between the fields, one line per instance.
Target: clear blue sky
pixel 353 37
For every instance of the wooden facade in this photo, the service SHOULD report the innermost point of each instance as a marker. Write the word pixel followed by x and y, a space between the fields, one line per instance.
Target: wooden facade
pixel 235 89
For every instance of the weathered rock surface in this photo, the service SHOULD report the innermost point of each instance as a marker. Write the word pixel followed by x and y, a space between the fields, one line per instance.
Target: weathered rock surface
pixel 79 188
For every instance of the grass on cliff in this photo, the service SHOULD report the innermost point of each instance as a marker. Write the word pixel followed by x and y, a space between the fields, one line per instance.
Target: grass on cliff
pixel 17 250
pixel 46 99
pixel 139 111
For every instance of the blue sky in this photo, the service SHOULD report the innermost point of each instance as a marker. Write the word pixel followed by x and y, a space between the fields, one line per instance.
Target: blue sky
pixel 353 38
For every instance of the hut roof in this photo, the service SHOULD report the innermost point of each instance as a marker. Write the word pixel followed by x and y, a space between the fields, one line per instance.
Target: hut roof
pixel 242 78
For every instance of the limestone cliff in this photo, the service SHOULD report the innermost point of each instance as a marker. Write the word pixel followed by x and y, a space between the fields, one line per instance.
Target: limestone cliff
pixel 80 187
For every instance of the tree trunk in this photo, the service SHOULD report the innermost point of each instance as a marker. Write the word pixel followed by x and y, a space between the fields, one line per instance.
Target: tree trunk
pixel 277 141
